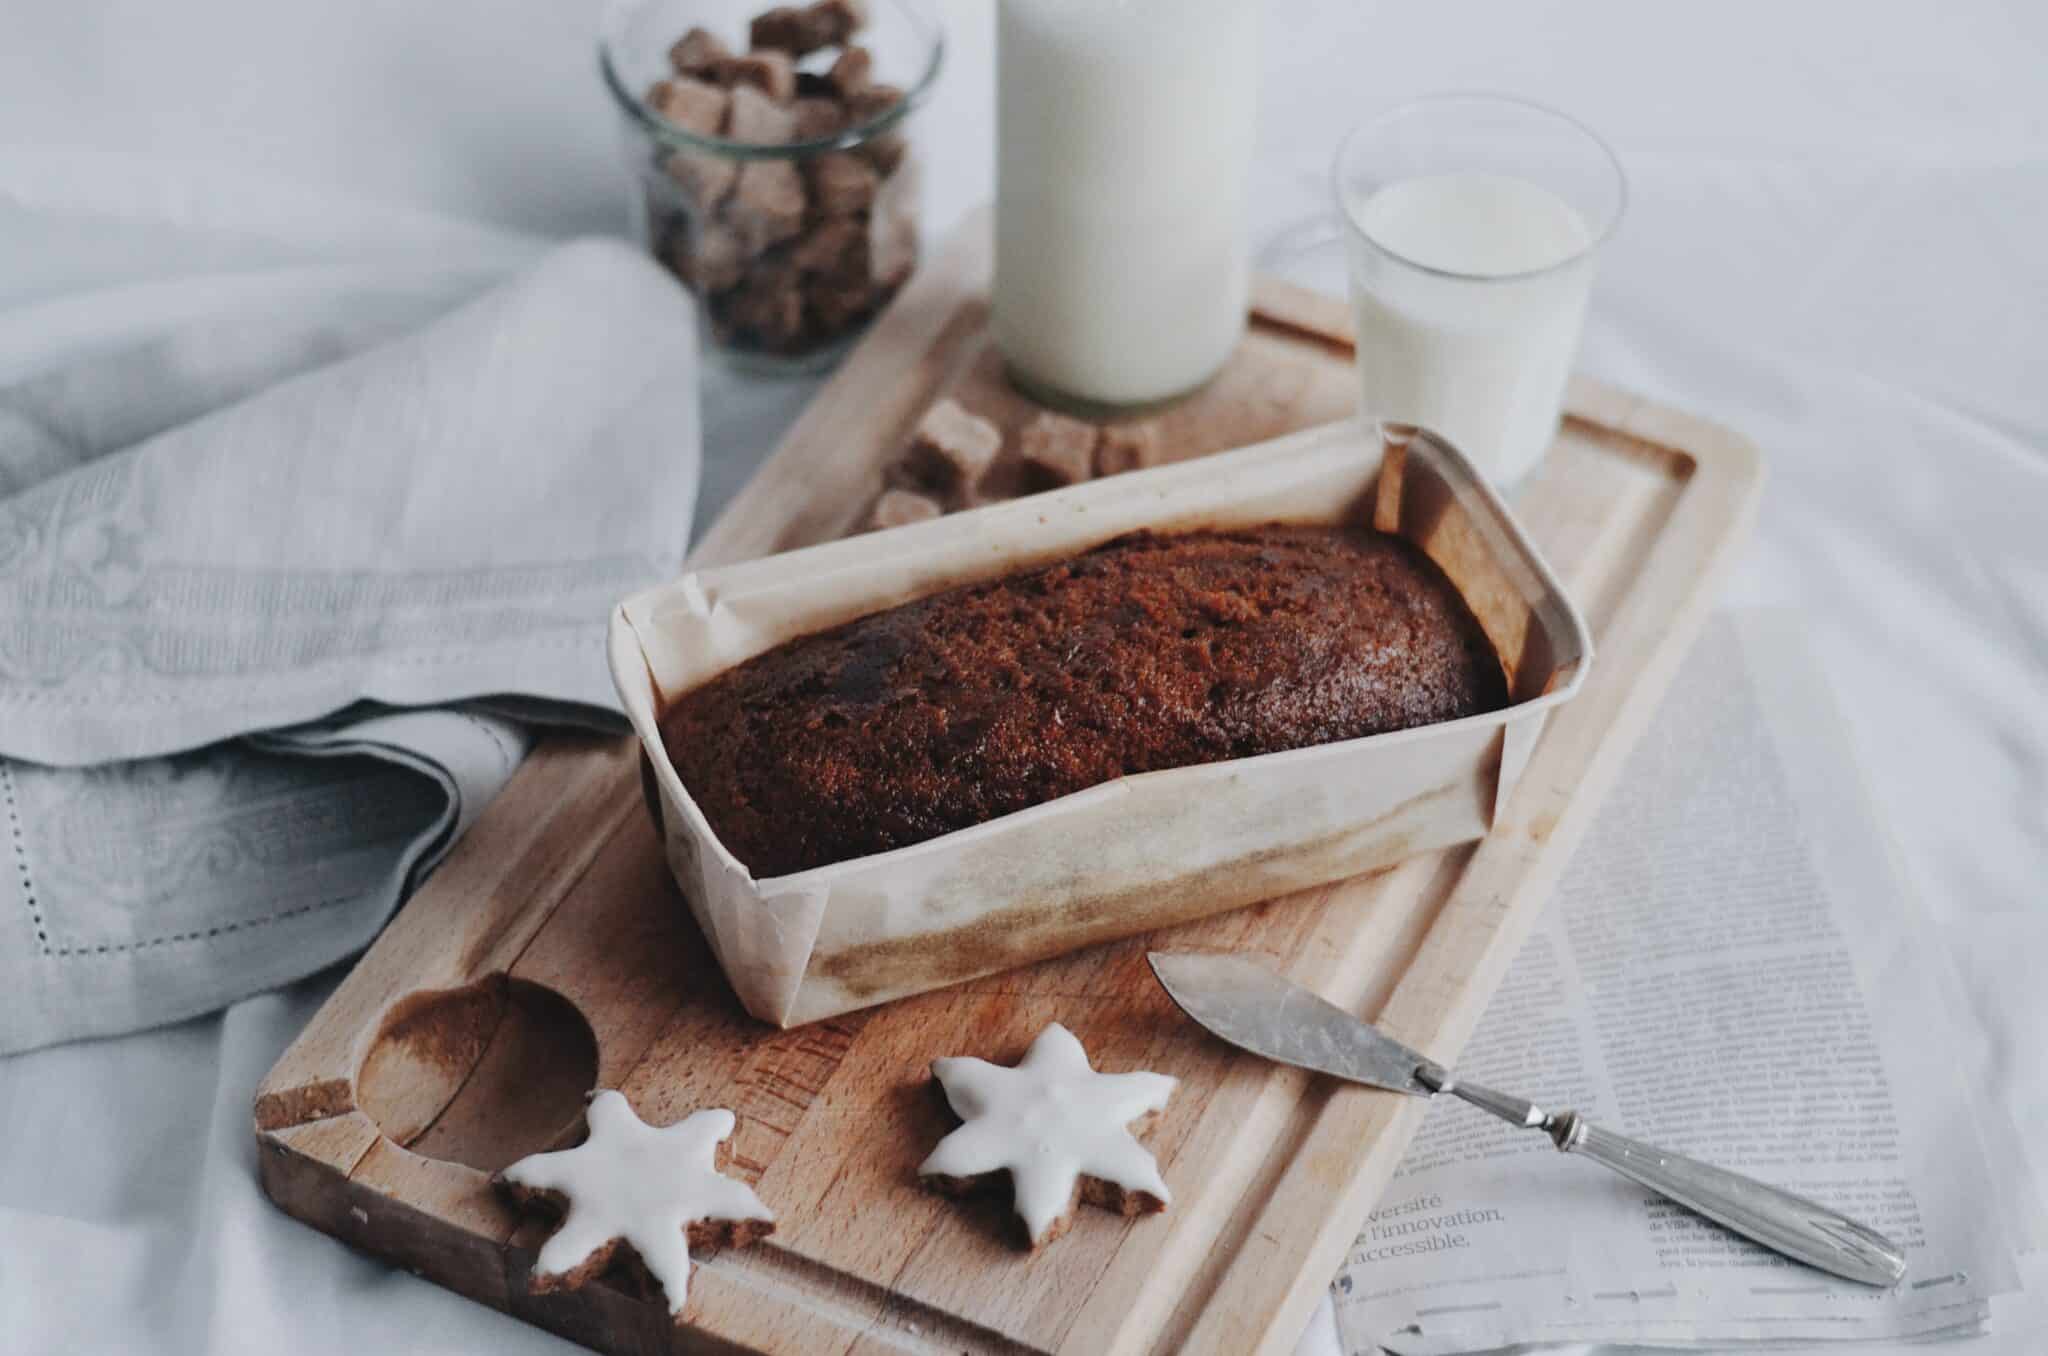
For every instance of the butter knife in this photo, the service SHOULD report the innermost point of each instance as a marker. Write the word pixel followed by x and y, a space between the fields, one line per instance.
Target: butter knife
pixel 1257 1010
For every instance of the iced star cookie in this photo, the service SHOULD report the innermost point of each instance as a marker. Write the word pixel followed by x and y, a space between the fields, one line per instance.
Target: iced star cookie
pixel 653 1190
pixel 1062 1132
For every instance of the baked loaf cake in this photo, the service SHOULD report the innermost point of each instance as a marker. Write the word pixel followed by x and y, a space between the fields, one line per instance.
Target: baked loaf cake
pixel 1147 652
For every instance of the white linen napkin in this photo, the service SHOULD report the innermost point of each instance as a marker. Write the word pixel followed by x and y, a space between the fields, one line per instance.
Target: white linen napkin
pixel 370 562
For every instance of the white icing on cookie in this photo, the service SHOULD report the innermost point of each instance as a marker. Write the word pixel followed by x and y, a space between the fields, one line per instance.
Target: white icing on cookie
pixel 640 1183
pixel 1050 1121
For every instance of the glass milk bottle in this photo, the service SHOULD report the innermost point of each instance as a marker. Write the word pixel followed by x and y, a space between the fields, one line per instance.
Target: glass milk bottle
pixel 1124 134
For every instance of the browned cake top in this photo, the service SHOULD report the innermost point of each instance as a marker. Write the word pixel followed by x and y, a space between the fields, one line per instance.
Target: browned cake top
pixel 1148 652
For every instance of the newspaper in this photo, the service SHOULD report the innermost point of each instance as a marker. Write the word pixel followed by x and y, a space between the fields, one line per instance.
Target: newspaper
pixel 1732 970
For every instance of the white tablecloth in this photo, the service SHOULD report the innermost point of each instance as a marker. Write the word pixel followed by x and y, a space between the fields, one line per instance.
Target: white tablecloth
pixel 1837 241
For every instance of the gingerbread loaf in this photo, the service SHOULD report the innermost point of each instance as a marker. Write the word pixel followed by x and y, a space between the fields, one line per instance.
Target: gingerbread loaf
pixel 1148 652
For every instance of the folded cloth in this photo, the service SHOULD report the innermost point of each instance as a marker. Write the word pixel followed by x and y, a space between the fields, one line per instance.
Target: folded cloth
pixel 439 520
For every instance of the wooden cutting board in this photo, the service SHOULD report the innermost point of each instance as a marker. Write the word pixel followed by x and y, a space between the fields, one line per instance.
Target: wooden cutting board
pixel 551 953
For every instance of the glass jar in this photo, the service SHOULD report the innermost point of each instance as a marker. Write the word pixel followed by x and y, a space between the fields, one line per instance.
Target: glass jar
pixel 791 215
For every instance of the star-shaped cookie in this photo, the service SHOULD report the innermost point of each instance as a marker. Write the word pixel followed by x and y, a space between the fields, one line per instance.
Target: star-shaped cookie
pixel 655 1190
pixel 1060 1130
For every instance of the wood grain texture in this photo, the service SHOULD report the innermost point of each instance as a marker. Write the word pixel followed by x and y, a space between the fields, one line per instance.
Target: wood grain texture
pixel 561 886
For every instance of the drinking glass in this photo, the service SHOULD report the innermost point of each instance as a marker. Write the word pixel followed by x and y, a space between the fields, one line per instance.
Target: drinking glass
pixel 1471 224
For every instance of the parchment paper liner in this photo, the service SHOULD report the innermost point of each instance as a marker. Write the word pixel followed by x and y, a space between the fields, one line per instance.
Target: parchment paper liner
pixel 1133 854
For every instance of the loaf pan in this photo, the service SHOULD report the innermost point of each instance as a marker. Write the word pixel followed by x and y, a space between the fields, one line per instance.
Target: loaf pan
pixel 1133 854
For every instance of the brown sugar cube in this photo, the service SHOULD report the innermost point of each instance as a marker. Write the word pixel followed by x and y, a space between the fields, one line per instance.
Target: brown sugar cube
pixel 844 296
pixel 1057 450
pixel 781 28
pixel 872 101
pixel 816 118
pixel 720 258
pixel 838 19
pixel 774 314
pixel 900 508
pixel 758 119
pixel 952 447
pixel 767 308
pixel 693 105
pixel 886 153
pixel 892 251
pixel 705 178
pixel 789 29
pixel 837 307
pixel 892 231
pixel 851 72
pixel 709 257
pixel 835 246
pixel 722 327
pixel 1127 447
pixel 842 184
pixel 698 52
pixel 767 204
pixel 769 71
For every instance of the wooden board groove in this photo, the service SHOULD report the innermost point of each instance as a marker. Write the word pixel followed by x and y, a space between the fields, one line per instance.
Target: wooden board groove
pixel 560 885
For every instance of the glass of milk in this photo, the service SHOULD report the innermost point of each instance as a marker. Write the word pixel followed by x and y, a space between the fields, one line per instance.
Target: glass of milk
pixel 1124 133
pixel 1470 224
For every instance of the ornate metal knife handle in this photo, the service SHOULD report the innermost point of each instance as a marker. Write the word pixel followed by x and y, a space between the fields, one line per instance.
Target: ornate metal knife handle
pixel 1799 1228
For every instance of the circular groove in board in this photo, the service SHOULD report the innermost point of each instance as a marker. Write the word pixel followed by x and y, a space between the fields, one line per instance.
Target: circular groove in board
pixel 480 1075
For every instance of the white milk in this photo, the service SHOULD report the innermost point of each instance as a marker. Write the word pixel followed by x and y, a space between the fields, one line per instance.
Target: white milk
pixel 1481 357
pixel 1124 136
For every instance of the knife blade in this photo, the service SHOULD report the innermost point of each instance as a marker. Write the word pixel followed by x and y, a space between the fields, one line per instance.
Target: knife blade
pixel 1257 1010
